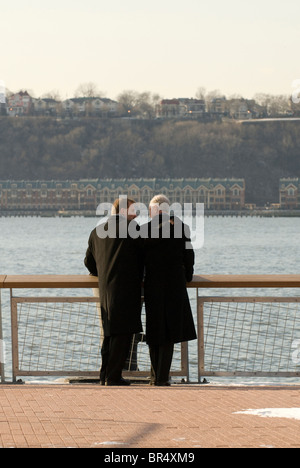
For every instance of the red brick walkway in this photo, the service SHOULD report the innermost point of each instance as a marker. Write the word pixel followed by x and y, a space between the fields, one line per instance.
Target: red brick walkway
pixel 140 416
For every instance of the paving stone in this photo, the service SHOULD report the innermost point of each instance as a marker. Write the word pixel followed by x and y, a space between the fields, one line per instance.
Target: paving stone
pixel 145 417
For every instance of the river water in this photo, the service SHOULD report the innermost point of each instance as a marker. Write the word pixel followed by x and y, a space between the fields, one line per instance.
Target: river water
pixel 232 245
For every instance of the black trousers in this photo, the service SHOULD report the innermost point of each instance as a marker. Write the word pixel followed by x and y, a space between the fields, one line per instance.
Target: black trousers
pixel 161 360
pixel 114 352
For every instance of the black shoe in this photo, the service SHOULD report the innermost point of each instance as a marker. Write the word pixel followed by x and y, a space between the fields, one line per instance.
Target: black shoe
pixel 162 384
pixel 102 382
pixel 120 383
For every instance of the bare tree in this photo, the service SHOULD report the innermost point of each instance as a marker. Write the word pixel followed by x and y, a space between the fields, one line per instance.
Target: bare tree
pixel 215 94
pixel 235 96
pixel 142 104
pixel 128 101
pixel 201 93
pixel 275 105
pixel 54 94
pixel 146 104
pixel 88 90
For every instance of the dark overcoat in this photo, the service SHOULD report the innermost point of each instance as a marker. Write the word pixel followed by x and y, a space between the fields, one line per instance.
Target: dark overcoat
pixel 168 266
pixel 117 260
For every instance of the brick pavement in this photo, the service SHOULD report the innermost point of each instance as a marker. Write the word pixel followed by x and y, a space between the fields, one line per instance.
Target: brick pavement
pixel 88 415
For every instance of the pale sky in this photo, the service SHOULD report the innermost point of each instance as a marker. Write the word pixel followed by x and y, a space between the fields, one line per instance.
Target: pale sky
pixel 169 47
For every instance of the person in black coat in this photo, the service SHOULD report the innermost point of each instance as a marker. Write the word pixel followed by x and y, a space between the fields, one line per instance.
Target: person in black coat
pixel 169 265
pixel 117 259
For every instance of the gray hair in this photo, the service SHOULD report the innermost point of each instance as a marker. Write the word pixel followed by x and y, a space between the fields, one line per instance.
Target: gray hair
pixel 162 201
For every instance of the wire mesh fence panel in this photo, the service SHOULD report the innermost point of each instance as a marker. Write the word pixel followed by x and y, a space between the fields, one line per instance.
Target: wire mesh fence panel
pixel 238 336
pixel 251 336
pixel 56 337
pixel 138 362
pixel 63 336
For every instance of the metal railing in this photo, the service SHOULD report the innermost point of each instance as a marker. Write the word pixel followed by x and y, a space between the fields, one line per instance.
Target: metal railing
pixel 2 350
pixel 248 336
pixel 59 335
pixel 62 336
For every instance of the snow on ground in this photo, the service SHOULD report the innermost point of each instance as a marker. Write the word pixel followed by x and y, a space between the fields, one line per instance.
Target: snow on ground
pixel 290 413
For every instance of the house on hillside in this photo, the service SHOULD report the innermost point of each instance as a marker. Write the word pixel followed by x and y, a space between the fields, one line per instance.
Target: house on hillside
pixel 289 194
pixel 20 104
pixel 180 108
pixel 46 106
pixel 244 109
pixel 217 106
pixel 89 106
pixel 168 108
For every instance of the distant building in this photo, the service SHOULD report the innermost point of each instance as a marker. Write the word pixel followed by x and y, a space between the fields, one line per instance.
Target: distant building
pixel 243 109
pixel 192 108
pixel 20 104
pixel 80 195
pixel 90 106
pixel 237 108
pixel 168 108
pixel 46 106
pixel 289 194
pixel 181 107
pixel 217 106
pixel 210 109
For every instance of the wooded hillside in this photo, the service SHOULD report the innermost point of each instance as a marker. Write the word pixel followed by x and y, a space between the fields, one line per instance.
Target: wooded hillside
pixel 42 148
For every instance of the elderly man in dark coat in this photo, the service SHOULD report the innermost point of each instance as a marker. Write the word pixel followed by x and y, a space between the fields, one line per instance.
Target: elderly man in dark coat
pixel 117 259
pixel 168 266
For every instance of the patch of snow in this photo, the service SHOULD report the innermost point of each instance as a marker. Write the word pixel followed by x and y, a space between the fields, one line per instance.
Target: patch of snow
pixel 290 413
pixel 110 443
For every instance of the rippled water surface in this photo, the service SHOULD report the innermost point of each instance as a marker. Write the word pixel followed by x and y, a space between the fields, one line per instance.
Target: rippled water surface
pixel 232 245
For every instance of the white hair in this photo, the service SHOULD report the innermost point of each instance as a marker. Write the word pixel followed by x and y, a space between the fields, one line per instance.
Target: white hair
pixel 162 202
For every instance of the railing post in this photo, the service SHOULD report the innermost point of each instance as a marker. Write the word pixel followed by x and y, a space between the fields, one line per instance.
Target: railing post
pixel 200 326
pixel 2 348
pixel 14 336
pixel 97 294
pixel 185 360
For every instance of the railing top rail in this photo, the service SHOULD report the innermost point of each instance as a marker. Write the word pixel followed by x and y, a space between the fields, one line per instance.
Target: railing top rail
pixel 50 281
pixel 2 279
pixel 199 281
pixel 245 281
